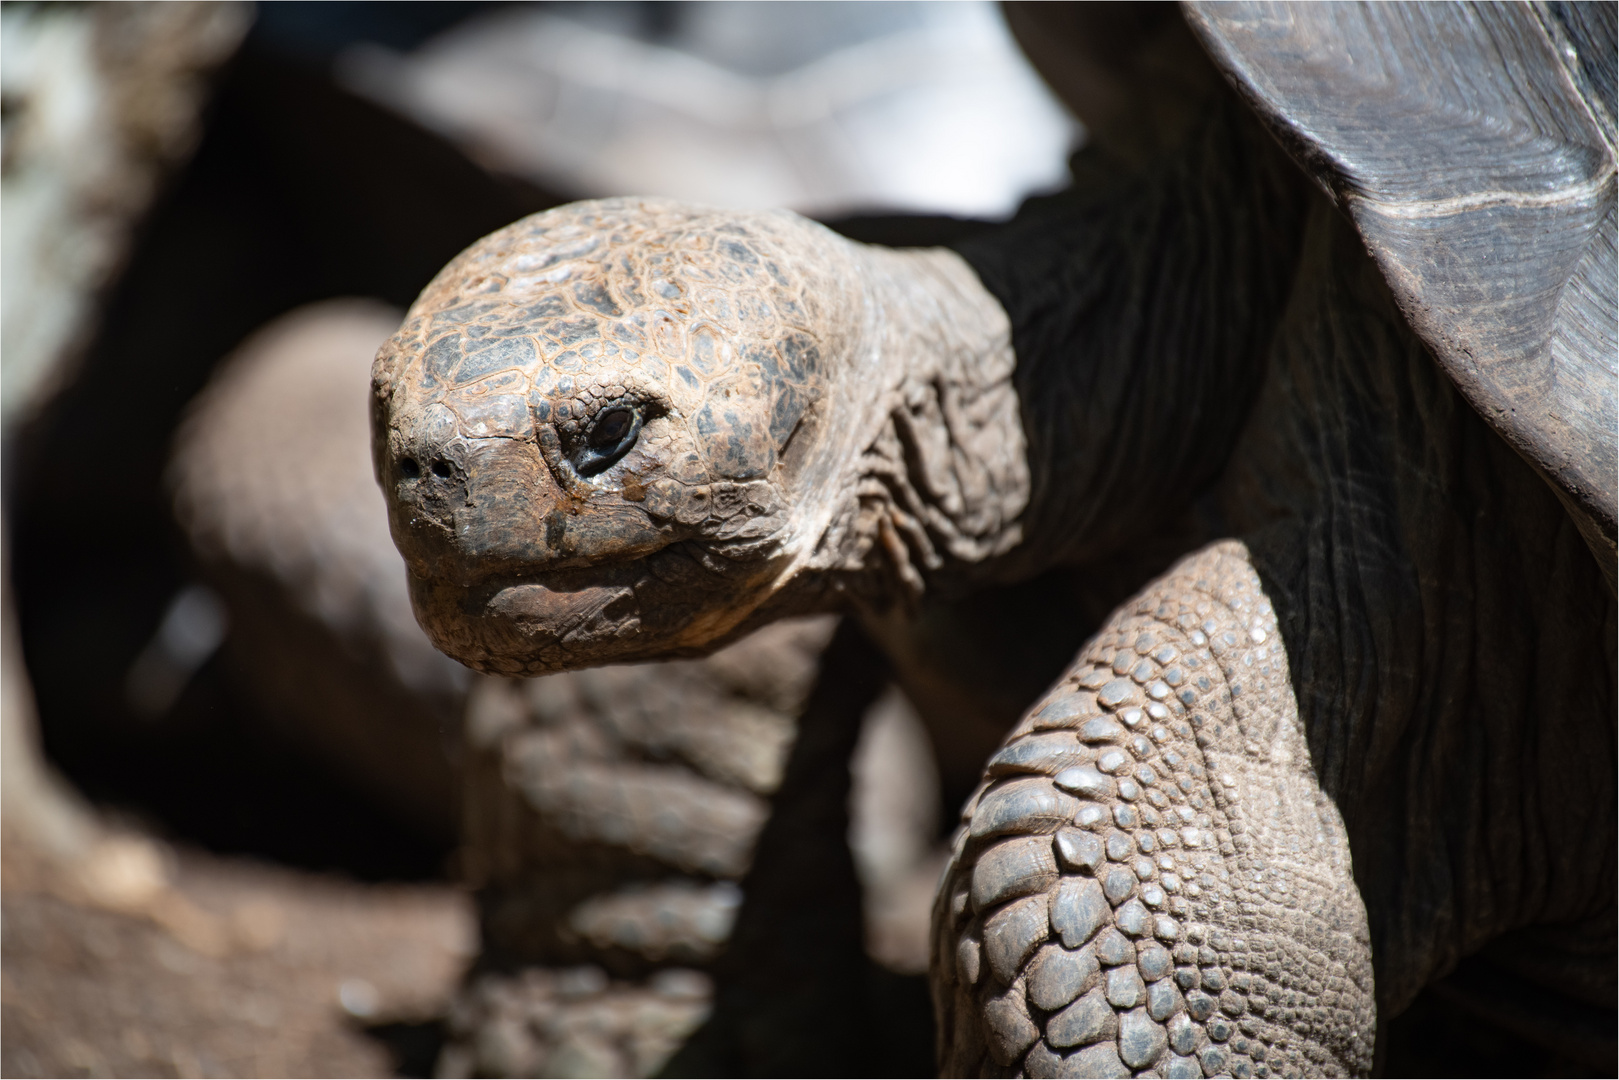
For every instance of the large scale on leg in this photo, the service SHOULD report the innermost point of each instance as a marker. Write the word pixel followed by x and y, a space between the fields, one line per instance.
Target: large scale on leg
pixel 1151 876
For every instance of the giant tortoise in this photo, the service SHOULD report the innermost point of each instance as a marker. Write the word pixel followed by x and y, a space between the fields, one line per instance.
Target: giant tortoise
pixel 1321 342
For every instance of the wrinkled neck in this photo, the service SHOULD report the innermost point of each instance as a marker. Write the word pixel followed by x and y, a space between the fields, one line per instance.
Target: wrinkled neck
pixel 1062 390
pixel 932 474
pixel 1057 392
pixel 1142 304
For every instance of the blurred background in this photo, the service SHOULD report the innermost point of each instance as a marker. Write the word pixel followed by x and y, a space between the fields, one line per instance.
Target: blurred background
pixel 253 823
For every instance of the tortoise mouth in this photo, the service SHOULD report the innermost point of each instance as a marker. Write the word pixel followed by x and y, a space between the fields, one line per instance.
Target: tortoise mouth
pixel 585 618
pixel 537 623
pixel 531 624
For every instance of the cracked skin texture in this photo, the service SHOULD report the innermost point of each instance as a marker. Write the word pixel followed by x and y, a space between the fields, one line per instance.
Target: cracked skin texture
pixel 1440 691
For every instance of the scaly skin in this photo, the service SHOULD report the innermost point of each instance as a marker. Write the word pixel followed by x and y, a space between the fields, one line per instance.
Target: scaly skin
pixel 1151 876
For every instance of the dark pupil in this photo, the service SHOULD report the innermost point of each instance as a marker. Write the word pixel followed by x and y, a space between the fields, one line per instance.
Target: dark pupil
pixel 610 428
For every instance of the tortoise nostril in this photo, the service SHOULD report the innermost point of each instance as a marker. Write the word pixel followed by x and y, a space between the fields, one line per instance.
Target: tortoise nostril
pixel 409 468
pixel 441 469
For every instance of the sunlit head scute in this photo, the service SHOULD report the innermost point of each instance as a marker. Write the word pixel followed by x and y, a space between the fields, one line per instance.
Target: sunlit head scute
pixel 590 425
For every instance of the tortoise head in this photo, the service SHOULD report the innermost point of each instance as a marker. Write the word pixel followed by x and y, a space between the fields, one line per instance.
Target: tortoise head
pixel 603 431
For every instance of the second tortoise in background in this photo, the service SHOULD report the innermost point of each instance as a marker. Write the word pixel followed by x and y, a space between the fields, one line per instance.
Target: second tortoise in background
pixel 632 428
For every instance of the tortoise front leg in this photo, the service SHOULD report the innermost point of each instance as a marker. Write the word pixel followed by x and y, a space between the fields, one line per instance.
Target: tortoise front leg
pixel 1150 880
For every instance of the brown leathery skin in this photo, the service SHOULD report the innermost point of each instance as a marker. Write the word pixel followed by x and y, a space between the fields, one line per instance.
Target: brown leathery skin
pixel 1151 877
pixel 779 391
pixel 609 818
pixel 1453 648
pixel 603 786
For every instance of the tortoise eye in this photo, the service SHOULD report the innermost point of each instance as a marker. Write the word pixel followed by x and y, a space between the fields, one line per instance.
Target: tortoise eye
pixel 612 427
pixel 610 438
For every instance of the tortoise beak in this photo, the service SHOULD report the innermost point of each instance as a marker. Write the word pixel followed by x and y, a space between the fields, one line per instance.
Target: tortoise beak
pixel 474 508
pixel 572 618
